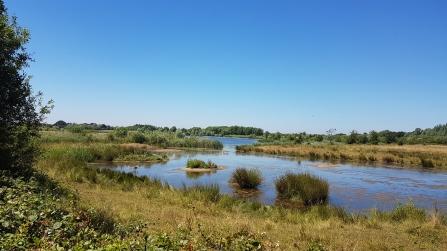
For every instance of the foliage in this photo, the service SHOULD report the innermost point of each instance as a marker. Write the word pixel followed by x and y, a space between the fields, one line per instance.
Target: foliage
pixel 311 190
pixel 246 178
pixel 20 116
pixel 196 163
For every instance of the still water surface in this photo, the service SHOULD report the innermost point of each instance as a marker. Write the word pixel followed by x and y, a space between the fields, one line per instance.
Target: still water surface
pixel 356 188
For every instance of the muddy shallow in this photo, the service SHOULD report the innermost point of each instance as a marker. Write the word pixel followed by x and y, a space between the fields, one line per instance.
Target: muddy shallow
pixel 356 188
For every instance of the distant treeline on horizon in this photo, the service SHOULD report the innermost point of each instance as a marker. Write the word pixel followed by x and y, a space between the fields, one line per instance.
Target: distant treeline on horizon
pixel 435 135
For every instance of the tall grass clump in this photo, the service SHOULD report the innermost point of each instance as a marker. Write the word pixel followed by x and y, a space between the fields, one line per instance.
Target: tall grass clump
pixel 246 178
pixel 310 189
pixel 427 163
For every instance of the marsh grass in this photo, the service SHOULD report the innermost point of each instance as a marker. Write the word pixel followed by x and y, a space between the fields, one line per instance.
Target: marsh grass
pixel 199 191
pixel 246 178
pixel 310 189
pixel 406 155
pixel 402 212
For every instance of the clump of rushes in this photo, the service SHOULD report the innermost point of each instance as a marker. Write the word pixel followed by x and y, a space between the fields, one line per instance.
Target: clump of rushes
pixel 246 178
pixel 196 163
pixel 310 189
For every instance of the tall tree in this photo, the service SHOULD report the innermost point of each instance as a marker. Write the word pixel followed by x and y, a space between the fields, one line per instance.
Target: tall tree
pixel 20 119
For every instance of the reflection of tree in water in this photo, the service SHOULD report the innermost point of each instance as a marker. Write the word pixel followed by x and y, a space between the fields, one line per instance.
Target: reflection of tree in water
pixel 193 154
pixel 196 175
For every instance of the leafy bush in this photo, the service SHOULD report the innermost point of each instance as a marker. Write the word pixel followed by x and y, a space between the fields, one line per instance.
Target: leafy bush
pixel 246 178
pixel 196 163
pixel 310 189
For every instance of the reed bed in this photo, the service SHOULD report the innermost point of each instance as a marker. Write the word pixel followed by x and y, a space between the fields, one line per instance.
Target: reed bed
pixel 407 155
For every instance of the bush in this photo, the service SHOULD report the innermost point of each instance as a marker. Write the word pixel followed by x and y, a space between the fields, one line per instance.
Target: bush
pixel 138 138
pixel 246 178
pixel 196 163
pixel 310 189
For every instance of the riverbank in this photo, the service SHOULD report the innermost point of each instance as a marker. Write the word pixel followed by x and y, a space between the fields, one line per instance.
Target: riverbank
pixel 423 156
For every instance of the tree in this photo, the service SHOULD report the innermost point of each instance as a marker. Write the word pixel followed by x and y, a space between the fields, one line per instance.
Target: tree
pixel 330 134
pixel 20 118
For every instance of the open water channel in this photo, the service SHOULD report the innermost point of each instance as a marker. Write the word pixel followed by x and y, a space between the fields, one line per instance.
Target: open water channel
pixel 355 188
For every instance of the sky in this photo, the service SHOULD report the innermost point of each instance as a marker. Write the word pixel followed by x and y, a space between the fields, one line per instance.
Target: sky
pixel 287 66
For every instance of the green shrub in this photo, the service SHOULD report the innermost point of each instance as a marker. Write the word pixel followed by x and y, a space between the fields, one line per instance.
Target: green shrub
pixel 246 178
pixel 310 189
pixel 196 163
pixel 138 137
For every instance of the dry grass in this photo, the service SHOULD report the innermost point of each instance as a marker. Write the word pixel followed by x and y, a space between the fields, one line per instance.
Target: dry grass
pixel 407 155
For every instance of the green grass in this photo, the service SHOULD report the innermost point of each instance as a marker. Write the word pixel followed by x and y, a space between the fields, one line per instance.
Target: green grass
pixel 310 189
pixel 246 178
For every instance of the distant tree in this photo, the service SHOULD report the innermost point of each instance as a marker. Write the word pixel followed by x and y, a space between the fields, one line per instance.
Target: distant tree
pixel 266 134
pixel 173 129
pixel 20 116
pixel 374 137
pixel 352 139
pixel 61 124
pixel 276 136
pixel 330 134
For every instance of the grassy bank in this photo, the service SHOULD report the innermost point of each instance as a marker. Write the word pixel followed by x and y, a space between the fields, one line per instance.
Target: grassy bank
pixel 155 138
pixel 426 156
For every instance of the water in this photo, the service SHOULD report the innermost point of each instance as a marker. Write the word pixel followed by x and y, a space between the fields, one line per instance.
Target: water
pixel 356 188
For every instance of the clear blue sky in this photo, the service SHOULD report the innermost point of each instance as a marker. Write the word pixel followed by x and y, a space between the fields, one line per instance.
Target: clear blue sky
pixel 288 66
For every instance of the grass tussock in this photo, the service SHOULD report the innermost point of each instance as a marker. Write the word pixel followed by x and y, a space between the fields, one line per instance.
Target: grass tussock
pixel 311 190
pixel 246 178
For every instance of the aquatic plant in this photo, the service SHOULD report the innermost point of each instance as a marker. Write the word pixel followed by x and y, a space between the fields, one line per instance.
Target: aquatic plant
pixel 246 178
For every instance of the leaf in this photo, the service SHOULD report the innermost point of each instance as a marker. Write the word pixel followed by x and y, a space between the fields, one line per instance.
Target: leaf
pixel 57 225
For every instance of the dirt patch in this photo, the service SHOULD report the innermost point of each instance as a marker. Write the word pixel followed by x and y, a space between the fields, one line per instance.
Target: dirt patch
pixel 201 170
pixel 151 148
pixel 325 165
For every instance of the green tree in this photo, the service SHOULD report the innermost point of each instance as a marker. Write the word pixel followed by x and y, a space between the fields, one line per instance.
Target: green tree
pixel 20 117
pixel 374 137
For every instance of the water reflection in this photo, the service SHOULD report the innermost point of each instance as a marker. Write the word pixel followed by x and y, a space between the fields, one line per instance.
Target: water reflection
pixel 196 175
pixel 355 187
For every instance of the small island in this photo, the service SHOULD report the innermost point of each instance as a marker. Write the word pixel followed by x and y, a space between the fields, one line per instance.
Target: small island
pixel 196 165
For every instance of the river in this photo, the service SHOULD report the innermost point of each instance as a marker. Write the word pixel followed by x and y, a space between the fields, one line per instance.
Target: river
pixel 355 188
